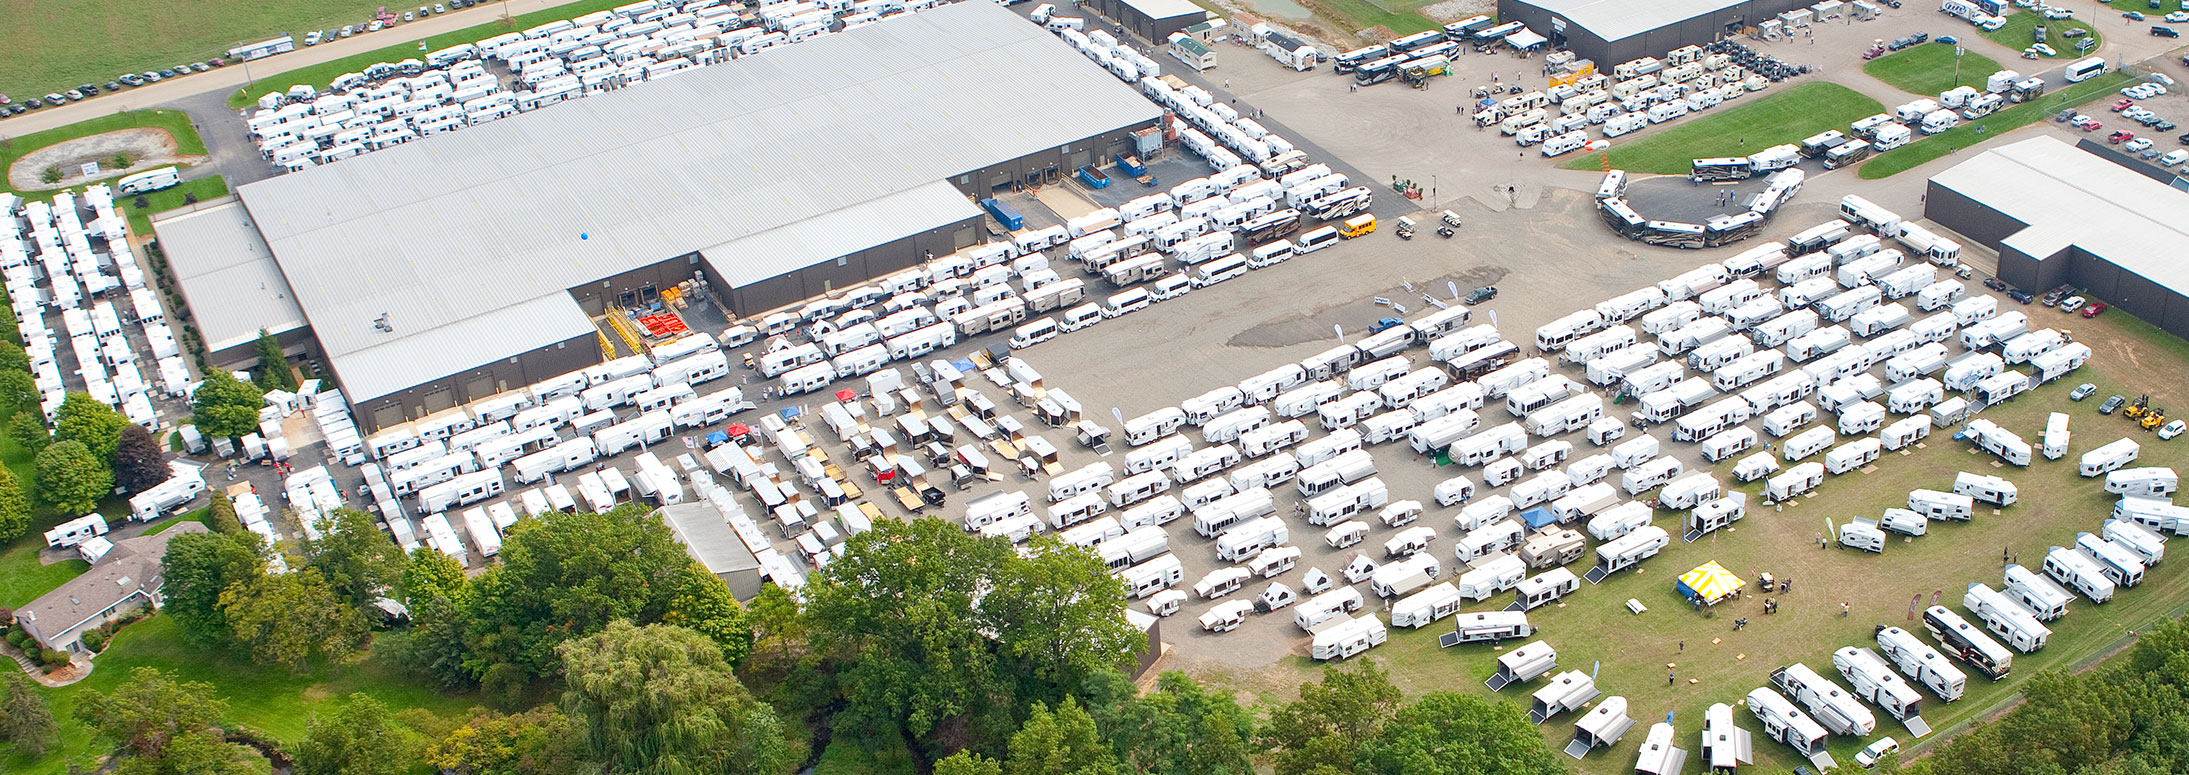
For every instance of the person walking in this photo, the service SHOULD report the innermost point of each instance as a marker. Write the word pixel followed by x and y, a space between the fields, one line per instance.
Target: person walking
pixel 1844 609
pixel 1669 676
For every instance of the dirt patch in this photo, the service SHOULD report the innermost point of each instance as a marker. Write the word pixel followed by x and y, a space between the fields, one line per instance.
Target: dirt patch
pixel 147 148
pixel 1455 10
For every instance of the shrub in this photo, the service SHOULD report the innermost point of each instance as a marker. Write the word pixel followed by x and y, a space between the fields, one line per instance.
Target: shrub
pixel 18 638
pixel 122 161
pixel 54 660
pixel 94 640
pixel 51 175
pixel 143 203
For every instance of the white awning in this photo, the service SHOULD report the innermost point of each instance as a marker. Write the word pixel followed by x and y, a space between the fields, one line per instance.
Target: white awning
pixel 1525 39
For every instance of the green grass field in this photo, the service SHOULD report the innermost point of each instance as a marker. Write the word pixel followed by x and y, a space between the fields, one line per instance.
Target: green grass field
pixel 2016 34
pixel 1927 148
pixel 1632 654
pixel 1356 15
pixel 269 700
pixel 140 220
pixel 57 45
pixel 1742 128
pixel 320 75
pixel 176 123
pixel 1930 68
pixel 23 578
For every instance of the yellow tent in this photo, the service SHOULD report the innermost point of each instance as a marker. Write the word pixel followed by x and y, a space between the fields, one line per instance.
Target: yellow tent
pixel 1710 583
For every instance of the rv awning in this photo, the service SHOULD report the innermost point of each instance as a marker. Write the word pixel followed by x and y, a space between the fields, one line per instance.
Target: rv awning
pixel 1525 39
pixel 1710 583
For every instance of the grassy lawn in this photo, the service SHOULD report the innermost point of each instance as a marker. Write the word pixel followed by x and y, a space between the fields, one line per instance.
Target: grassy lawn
pixel 1753 125
pixel 2144 6
pixel 269 700
pixel 320 75
pixel 140 220
pixel 1632 654
pixel 2015 34
pixel 1928 69
pixel 1357 15
pixel 1926 148
pixel 56 45
pixel 176 123
pixel 23 578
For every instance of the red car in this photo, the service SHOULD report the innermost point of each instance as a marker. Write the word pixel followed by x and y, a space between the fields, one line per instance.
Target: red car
pixel 2122 105
pixel 2119 137
pixel 2092 309
pixel 2089 125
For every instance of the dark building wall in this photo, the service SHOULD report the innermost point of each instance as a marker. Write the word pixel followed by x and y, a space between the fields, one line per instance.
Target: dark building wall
pixel 1607 54
pixel 1049 166
pixel 486 380
pixel 846 271
pixel 294 342
pixel 1150 29
pixel 1967 217
pixel 2103 280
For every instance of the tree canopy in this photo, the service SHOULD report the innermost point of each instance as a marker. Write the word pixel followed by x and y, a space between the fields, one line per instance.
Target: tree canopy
pixel 82 418
pixel 14 506
pixel 286 619
pixel 70 479
pixel 167 726
pixel 226 407
pixel 1332 719
pixel 537 741
pixel 273 368
pixel 198 568
pixel 661 699
pixel 355 556
pixel 24 718
pixel 139 464
pixel 353 739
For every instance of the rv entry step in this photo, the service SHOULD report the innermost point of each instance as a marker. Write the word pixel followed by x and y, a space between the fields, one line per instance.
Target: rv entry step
pixel 1497 683
pixel 1450 639
pixel 1536 717
pixel 1916 726
pixel 1823 761
pixel 1595 576
pixel 1691 536
pixel 1577 748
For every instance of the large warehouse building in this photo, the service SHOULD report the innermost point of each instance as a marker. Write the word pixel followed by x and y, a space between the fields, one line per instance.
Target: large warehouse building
pixel 1609 32
pixel 2058 215
pixel 474 262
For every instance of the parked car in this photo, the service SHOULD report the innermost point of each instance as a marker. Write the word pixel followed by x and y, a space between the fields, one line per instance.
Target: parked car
pixel 2173 158
pixel 2134 16
pixel 1868 756
pixel 2071 304
pixel 2044 50
pixel 2122 104
pixel 2163 125
pixel 1482 294
pixel 2113 404
pixel 2119 136
pixel 2089 125
pixel 2082 391
pixel 2168 431
pixel 312 38
pixel 2021 295
pixel 2137 145
pixel 2164 32
pixel 2094 308
pixel 348 30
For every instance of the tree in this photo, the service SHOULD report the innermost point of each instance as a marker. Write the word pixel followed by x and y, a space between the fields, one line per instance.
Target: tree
pixel 14 506
pixel 273 367
pixel 70 479
pixel 226 407
pixel 24 718
pixel 1181 728
pixel 438 632
pixel 566 575
pixel 1331 720
pixel 1448 733
pixel 931 625
pixel 28 429
pixel 968 763
pixel 1059 743
pixel 221 512
pixel 540 740
pixel 352 740
pixel 149 710
pixel 139 464
pixel 661 699
pixel 198 568
pixel 355 557
pixel 287 618
pixel 777 625
pixel 83 418
pixel 18 388
pixel 427 573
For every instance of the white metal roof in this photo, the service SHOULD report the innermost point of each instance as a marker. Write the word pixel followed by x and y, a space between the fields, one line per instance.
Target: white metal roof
pixel 1617 19
pixel 466 224
pixel 761 255
pixel 411 358
pixel 1164 9
pixel 2071 197
pixel 228 275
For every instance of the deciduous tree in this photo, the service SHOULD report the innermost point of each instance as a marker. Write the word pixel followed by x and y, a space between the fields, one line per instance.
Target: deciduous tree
pixel 1448 733
pixel 222 513
pixel 24 718
pixel 1181 728
pixel 1059 743
pixel 1331 720
pixel 536 742
pixel 661 699
pixel 427 573
pixel 70 479
pixel 14 506
pixel 28 429
pixel 354 556
pixel 139 464
pixel 968 763
pixel 83 418
pixel 354 739
pixel 198 568
pixel 17 388
pixel 287 618
pixel 167 726
pixel 273 367
pixel 226 407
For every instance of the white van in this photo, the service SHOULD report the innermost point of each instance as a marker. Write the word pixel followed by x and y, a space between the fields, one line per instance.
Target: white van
pixel 1175 285
pixel 1126 302
pixel 1034 333
pixel 1316 240
pixel 1211 273
pixel 1273 254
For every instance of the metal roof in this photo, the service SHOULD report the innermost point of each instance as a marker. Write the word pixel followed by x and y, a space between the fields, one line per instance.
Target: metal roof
pixel 1618 19
pixel 790 247
pixel 2069 197
pixel 1165 9
pixel 707 536
pixel 228 274
pixel 465 224
pixel 412 358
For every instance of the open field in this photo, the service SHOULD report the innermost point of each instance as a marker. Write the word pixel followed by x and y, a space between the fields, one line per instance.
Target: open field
pixel 23 578
pixel 177 123
pixel 1926 148
pixel 2017 34
pixel 1633 653
pixel 1737 130
pixel 1355 15
pixel 320 75
pixel 268 700
pixel 55 45
pixel 140 219
pixel 1928 69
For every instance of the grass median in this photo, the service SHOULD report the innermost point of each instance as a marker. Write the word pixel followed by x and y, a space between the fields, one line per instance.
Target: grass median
pixel 1930 68
pixel 1969 133
pixel 2017 34
pixel 319 75
pixel 177 123
pixel 1739 129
